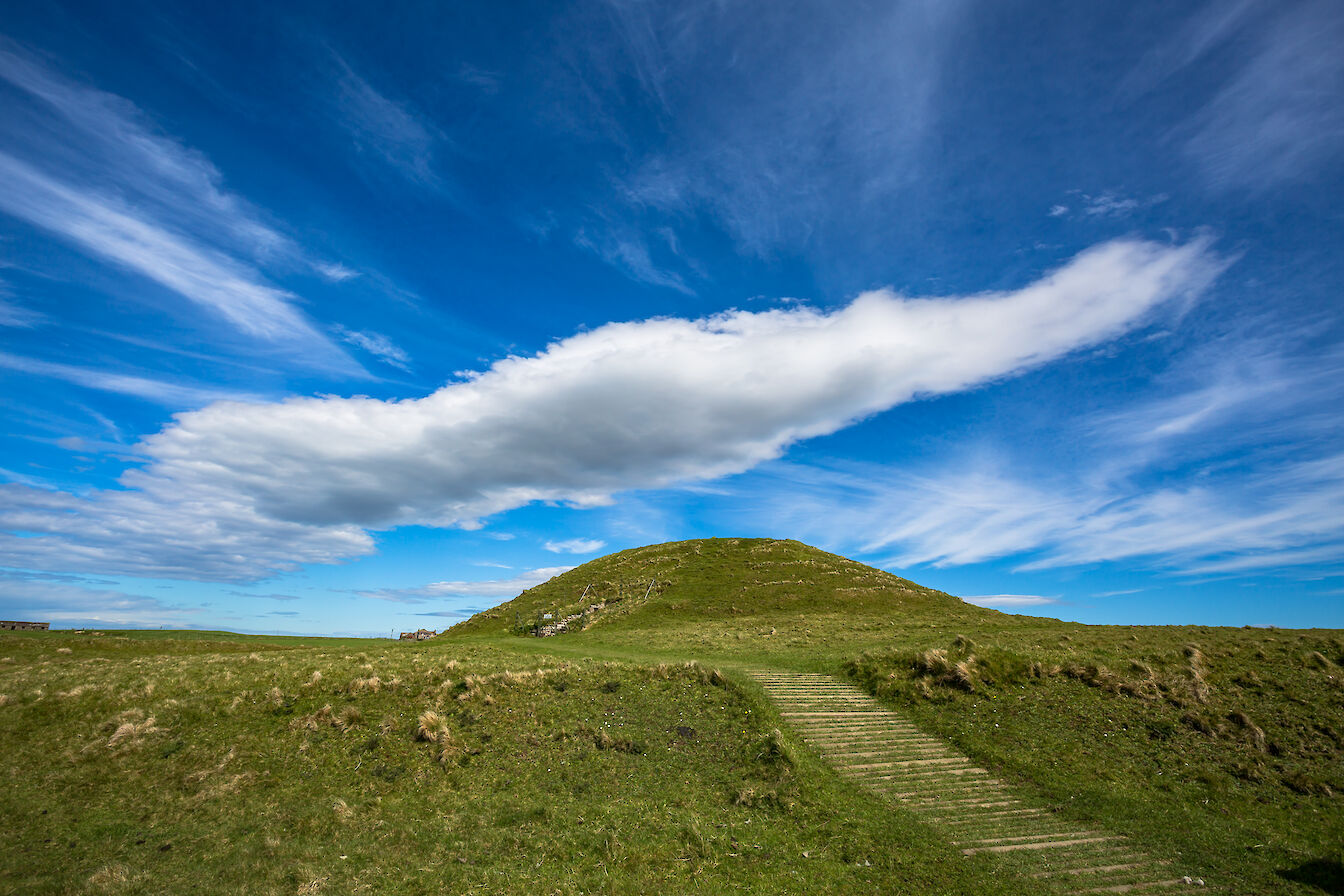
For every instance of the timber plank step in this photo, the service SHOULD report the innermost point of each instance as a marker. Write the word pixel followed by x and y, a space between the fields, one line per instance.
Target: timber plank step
pixel 878 749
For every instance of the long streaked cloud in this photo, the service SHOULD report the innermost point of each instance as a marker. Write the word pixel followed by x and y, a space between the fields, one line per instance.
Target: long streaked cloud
pixel 1279 116
pixel 71 601
pixel 783 148
pixel 378 345
pixel 575 546
pixel 400 137
pixel 239 489
pixel 1009 601
pixel 124 193
pixel 1234 471
pixel 176 395
pixel 492 588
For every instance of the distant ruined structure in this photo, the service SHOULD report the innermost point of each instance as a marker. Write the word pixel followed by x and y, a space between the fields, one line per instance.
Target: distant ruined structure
pixel 548 625
pixel 423 634
pixel 9 626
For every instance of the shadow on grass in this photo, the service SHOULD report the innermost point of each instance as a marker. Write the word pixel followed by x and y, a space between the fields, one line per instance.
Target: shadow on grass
pixel 1326 875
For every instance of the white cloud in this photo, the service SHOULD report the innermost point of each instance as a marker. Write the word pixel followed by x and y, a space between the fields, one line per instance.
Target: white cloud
pixel 176 395
pixel 493 588
pixel 626 250
pixel 101 177
pixel 402 138
pixel 379 346
pixel 335 271
pixel 1009 601
pixel 72 602
pixel 1282 115
pixel 1234 470
pixel 814 124
pixel 236 490
pixel 575 546
pixel 12 315
pixel 1278 115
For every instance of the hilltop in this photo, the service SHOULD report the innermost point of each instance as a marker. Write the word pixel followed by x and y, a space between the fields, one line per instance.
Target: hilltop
pixel 724 586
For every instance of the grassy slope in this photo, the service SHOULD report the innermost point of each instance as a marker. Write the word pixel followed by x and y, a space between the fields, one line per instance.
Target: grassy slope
pixel 527 795
pixel 229 767
pixel 1233 759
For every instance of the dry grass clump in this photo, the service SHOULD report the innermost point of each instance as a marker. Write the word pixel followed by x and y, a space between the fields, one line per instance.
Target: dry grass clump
pixel 371 685
pixel 343 810
pixel 514 679
pixel 315 678
pixel 64 650
pixel 314 720
pixel 774 750
pixel 1256 733
pixel 348 718
pixel 430 727
pixel 935 664
pixel 750 797
pixel 114 877
pixel 694 670
pixel 129 728
pixel 1318 660
pixel 1196 673
pixel 604 741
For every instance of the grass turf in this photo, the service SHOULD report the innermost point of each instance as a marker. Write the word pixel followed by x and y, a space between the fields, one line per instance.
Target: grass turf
pixel 597 761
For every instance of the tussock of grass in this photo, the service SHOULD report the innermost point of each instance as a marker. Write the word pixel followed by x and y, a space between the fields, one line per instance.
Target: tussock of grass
pixel 129 728
pixel 430 727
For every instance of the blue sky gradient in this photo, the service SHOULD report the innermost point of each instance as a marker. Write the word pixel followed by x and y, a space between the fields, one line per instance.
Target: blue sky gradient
pixel 335 319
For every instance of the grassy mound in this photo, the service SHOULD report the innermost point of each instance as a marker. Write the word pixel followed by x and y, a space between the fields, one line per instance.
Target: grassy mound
pixel 709 592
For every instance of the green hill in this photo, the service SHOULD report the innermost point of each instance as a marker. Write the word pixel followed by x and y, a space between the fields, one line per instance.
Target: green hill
pixel 636 751
pixel 719 586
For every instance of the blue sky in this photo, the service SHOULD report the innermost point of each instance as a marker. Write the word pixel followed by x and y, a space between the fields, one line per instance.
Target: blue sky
pixel 351 319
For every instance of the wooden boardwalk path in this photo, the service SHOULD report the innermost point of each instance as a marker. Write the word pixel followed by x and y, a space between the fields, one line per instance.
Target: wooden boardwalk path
pixel 883 751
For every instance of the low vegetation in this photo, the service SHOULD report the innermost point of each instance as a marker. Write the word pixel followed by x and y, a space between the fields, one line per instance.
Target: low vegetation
pixel 632 753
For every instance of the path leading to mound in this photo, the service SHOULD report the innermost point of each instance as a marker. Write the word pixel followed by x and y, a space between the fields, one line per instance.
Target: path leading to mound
pixel 882 751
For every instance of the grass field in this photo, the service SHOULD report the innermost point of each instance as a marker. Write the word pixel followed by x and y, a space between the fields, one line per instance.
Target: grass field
pixel 635 755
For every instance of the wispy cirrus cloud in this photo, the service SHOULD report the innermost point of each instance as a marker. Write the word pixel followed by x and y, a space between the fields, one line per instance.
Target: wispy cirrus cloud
pixel 492 588
pixel 169 394
pixel 575 546
pixel 1235 470
pixel 1279 116
pixel 71 601
pixel 1009 601
pixel 394 132
pixel 782 143
pixel 124 193
pixel 237 490
pixel 378 345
